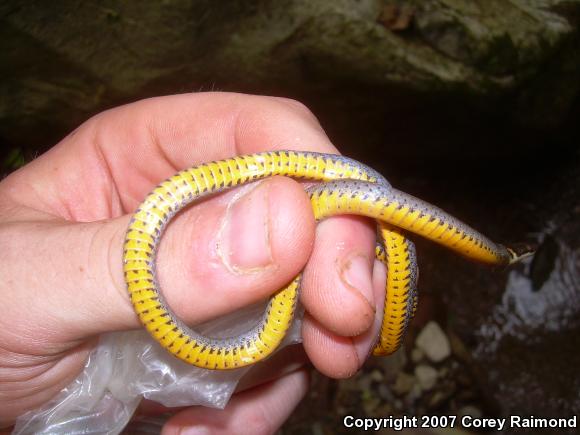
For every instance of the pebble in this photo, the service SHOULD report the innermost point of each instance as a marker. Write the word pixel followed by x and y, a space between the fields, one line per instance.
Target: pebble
pixel 459 349
pixel 393 364
pixel 384 410
pixel 398 404
pixel 364 382
pixel 349 384
pixel 441 396
pixel 377 376
pixel 369 406
pixel 463 380
pixel 385 393
pixel 413 395
pixel 437 400
pixel 426 376
pixel 403 384
pixel 317 428
pixel 470 410
pixel 417 355
pixel 466 395
pixel 433 341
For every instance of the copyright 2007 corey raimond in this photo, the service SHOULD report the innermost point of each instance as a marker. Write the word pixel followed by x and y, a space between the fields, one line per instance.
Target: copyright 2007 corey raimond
pixel 452 421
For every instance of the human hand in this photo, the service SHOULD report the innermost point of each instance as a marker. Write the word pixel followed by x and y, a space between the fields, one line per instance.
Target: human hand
pixel 62 224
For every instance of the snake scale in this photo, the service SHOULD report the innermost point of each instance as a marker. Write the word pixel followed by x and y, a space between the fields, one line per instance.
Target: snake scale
pixel 347 187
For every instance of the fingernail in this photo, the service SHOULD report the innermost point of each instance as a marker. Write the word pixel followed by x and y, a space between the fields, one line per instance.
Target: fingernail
pixel 244 237
pixel 365 343
pixel 355 273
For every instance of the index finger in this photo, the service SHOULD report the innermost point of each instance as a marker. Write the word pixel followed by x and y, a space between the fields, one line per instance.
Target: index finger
pixel 108 165
pixel 187 130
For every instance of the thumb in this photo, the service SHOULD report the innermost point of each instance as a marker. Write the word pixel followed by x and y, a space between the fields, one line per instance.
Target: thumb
pixel 64 281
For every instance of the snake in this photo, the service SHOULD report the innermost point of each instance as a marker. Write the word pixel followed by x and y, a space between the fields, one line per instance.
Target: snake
pixel 344 186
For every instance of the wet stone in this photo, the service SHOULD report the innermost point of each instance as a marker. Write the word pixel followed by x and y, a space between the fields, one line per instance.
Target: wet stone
pixel 364 383
pixel 385 393
pixel 349 384
pixel 433 341
pixel 317 428
pixel 377 376
pixel 404 383
pixel 471 410
pixel 371 405
pixel 417 355
pixel 459 348
pixel 436 400
pixel 463 380
pixel 441 396
pixel 466 395
pixel 413 395
pixel 426 376
pixel 385 409
pixel 393 364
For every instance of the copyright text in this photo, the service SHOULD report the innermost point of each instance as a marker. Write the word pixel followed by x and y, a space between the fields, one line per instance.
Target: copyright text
pixel 437 421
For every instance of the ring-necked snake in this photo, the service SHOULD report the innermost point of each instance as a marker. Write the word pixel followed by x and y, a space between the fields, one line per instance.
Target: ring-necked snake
pixel 348 187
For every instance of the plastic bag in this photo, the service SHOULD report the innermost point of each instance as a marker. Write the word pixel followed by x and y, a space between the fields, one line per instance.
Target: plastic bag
pixel 128 366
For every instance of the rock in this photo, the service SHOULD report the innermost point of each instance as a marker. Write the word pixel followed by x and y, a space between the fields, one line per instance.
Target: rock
pixel 466 396
pixel 413 395
pixel 464 380
pixel 433 341
pixel 391 366
pixel 459 349
pixel 385 409
pixel 377 376
pixel 317 428
pixel 404 383
pixel 445 391
pixel 364 383
pixel 417 355
pixel 470 410
pixel 385 393
pixel 523 51
pixel 371 405
pixel 349 384
pixel 439 398
pixel 426 376
pixel 436 399
pixel 398 404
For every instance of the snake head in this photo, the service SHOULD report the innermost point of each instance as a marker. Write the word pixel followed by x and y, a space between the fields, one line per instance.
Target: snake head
pixel 519 251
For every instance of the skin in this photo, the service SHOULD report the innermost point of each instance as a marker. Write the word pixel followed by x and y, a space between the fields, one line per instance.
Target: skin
pixel 62 223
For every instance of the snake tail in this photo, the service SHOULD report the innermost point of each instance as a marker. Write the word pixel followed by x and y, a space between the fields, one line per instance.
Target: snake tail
pixel 404 211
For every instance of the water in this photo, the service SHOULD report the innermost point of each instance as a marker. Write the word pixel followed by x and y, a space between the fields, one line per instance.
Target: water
pixel 541 296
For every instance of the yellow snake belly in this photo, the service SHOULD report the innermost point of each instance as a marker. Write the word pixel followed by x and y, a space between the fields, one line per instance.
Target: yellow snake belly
pixel 348 187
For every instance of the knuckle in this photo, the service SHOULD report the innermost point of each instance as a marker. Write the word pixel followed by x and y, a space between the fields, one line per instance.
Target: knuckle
pixel 104 244
pixel 296 105
pixel 297 108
